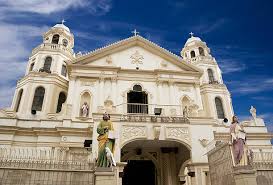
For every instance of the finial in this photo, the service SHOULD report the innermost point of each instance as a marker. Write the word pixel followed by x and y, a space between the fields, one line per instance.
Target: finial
pixel 63 21
pixel 135 32
pixel 191 34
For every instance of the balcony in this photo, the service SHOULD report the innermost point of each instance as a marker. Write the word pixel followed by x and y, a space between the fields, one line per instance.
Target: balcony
pixel 149 109
pixel 53 47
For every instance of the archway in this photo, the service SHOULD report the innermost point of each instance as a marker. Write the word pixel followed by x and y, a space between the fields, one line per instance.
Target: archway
pixel 153 162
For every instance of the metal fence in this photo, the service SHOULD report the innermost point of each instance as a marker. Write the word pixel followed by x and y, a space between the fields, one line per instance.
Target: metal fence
pixel 31 166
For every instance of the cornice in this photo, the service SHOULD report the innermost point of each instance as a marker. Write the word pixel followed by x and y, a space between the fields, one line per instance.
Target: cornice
pixel 41 131
pixel 47 78
pixel 256 136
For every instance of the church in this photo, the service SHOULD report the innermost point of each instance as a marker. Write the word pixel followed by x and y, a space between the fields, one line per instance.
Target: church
pixel 167 112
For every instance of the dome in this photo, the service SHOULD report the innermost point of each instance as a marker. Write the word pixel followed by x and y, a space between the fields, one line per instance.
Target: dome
pixel 192 39
pixel 62 26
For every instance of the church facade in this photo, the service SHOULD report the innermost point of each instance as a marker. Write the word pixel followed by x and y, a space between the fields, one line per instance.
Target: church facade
pixel 166 110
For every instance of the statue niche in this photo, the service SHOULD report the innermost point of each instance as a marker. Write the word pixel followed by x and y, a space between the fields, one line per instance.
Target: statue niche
pixel 85 105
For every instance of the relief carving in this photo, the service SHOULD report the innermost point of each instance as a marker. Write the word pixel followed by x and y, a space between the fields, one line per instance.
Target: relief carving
pixel 130 132
pixel 181 133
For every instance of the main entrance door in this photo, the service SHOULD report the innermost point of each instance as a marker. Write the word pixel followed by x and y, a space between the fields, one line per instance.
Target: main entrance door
pixel 139 172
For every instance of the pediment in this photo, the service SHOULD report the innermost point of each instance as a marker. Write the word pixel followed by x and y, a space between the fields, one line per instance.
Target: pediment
pixel 135 52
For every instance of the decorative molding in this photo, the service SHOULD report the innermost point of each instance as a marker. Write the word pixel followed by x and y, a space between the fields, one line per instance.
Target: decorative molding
pixel 204 142
pixel 131 132
pixel 137 58
pixel 180 133
pixel 109 60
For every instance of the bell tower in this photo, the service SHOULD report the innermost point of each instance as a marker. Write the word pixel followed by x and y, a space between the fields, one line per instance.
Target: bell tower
pixel 43 89
pixel 214 93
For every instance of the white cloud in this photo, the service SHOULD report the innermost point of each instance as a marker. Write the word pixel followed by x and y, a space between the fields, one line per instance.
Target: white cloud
pixel 252 85
pixel 96 7
pixel 6 95
pixel 16 42
pixel 230 66
pixel 207 27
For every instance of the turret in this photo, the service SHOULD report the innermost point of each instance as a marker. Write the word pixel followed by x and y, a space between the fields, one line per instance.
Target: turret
pixel 43 90
pixel 196 52
pixel 213 91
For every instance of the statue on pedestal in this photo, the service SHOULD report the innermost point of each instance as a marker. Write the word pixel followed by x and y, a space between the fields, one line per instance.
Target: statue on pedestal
pixel 253 112
pixel 185 112
pixel 106 142
pixel 84 110
pixel 238 139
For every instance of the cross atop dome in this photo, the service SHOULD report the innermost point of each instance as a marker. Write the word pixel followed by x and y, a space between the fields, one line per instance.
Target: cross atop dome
pixel 135 32
pixel 63 21
pixel 191 34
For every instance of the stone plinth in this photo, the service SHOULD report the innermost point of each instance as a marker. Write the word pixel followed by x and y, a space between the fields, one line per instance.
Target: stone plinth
pixel 105 176
pixel 109 176
pixel 224 172
pixel 244 175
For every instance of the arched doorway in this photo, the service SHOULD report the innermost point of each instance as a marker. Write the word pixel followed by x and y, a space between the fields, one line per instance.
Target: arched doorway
pixel 137 170
pixel 153 162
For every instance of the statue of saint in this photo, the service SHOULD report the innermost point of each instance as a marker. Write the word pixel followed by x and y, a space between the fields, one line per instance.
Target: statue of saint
pixel 106 142
pixel 253 112
pixel 85 110
pixel 238 139
pixel 185 112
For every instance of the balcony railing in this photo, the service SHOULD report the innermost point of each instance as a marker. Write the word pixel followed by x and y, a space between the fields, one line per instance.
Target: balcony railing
pixel 149 109
pixel 54 47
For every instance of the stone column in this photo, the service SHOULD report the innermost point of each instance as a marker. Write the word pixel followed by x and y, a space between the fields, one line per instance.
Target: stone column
pixel 114 89
pixel 159 92
pixel 101 92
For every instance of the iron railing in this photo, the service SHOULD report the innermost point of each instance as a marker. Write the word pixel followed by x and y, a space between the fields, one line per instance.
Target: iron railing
pixel 149 109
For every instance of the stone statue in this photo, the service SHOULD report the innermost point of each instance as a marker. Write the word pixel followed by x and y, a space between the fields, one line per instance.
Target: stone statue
pixel 253 112
pixel 106 142
pixel 185 112
pixel 238 139
pixel 85 110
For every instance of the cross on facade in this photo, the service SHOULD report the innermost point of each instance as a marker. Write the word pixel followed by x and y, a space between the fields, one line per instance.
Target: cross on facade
pixel 135 32
pixel 191 34
pixel 63 21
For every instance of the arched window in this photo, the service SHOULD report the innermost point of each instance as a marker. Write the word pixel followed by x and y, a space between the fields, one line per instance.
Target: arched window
pixel 31 66
pixel 137 88
pixel 210 75
pixel 47 64
pixel 55 39
pixel 38 99
pixel 201 51
pixel 64 70
pixel 19 97
pixel 192 54
pixel 61 100
pixel 219 108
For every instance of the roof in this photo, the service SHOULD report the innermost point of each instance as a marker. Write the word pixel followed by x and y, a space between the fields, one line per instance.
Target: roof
pixel 132 41
pixel 62 26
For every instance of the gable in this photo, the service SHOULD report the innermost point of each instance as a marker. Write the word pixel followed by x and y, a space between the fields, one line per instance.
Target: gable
pixel 135 52
pixel 134 57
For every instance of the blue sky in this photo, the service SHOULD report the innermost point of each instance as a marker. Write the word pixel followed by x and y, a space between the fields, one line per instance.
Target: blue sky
pixel 239 34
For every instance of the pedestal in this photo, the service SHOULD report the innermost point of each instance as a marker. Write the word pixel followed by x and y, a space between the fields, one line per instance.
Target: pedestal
pixel 244 175
pixel 109 176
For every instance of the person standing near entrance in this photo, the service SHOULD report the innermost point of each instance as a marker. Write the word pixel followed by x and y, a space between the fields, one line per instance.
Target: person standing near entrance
pixel 104 141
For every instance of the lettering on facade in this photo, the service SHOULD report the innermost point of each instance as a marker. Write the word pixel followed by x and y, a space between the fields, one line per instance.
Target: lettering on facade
pixel 153 119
